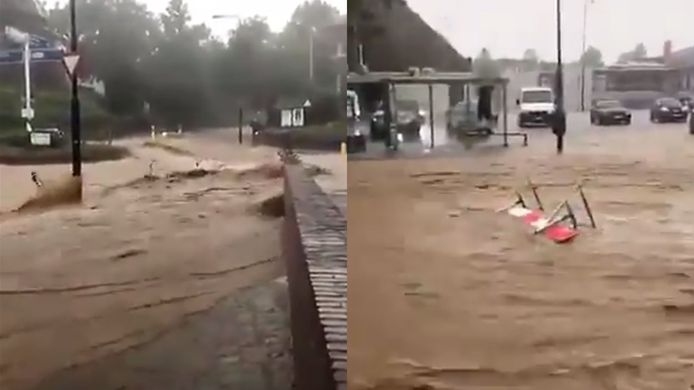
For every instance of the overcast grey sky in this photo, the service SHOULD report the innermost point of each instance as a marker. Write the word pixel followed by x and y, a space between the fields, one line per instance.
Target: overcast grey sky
pixel 277 12
pixel 508 27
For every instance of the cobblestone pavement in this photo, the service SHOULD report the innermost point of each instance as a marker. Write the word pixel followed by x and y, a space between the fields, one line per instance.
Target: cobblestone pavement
pixel 241 343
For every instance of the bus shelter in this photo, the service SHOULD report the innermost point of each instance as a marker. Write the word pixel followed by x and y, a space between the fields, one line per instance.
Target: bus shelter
pixel 456 81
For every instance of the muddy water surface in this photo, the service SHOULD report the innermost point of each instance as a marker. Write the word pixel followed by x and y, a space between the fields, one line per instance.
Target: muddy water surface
pixel 446 293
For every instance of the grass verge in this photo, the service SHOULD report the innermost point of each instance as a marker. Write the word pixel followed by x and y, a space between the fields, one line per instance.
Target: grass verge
pixel 28 155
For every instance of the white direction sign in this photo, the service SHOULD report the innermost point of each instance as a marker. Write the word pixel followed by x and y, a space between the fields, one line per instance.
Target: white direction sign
pixel 71 61
pixel 28 113
pixel 40 139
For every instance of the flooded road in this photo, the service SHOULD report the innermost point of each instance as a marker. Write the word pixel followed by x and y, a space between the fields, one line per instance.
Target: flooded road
pixel 141 257
pixel 446 293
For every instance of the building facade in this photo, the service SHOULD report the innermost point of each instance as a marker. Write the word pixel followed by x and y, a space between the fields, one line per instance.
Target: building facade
pixel 637 84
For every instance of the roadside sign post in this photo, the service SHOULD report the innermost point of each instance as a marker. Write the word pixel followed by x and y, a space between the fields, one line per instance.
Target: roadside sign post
pixel 75 103
pixel 28 112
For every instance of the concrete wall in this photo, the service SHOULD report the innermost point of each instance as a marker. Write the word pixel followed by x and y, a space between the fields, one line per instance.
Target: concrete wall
pixel 315 253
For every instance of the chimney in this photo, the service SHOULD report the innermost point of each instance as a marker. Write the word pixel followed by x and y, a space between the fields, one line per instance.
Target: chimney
pixel 667 51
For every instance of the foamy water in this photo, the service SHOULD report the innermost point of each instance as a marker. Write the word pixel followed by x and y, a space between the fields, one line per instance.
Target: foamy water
pixel 446 293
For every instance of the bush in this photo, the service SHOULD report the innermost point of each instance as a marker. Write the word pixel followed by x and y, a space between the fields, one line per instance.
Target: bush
pixel 30 155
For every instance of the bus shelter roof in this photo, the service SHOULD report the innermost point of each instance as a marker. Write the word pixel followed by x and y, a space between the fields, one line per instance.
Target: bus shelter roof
pixel 424 78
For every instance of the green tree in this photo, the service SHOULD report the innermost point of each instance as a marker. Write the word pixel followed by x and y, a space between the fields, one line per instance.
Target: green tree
pixel 531 60
pixel 315 13
pixel 485 66
pixel 175 71
pixel 363 26
pixel 640 51
pixel 110 47
pixel 592 57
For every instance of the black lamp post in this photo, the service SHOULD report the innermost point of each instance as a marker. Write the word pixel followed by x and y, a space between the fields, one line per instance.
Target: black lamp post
pixel 559 125
pixel 75 103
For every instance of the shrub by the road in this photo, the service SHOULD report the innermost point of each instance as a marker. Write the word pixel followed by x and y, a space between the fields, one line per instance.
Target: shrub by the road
pixel 28 155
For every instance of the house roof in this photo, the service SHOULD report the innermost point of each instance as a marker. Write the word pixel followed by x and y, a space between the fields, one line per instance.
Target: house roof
pixel 635 66
pixel 683 57
pixel 287 102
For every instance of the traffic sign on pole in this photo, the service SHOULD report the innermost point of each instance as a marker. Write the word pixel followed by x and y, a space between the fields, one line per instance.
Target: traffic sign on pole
pixel 14 57
pixel 70 61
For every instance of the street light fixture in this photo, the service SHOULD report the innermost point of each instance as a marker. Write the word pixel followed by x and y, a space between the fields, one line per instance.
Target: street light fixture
pixel 311 57
pixel 583 55
pixel 232 16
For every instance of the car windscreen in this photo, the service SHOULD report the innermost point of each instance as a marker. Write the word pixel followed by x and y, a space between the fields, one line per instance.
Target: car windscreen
pixel 408 105
pixel 537 97
pixel 608 104
pixel 673 103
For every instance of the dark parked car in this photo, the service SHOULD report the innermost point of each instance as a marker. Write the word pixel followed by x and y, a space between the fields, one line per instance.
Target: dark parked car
pixel 379 127
pixel 668 110
pixel 409 120
pixel 605 112
pixel 409 117
pixel 691 121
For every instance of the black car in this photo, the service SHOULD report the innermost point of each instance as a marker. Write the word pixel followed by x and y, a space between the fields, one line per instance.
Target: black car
pixel 604 112
pixel 668 110
pixel 378 125
pixel 408 121
pixel 691 121
pixel 409 117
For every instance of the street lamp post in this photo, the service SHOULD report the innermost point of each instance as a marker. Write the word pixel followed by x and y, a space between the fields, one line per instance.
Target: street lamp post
pixel 310 53
pixel 583 54
pixel 75 103
pixel 559 125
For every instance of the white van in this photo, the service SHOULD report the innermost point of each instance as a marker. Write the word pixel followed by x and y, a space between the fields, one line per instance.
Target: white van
pixel 353 109
pixel 536 106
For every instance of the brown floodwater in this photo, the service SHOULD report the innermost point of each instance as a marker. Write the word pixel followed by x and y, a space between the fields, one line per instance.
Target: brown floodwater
pixel 447 293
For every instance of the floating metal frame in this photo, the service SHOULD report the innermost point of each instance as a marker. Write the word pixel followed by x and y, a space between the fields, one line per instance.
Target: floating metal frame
pixel 565 205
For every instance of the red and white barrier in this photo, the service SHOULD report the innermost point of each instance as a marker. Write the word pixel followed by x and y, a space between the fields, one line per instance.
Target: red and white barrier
pixel 537 220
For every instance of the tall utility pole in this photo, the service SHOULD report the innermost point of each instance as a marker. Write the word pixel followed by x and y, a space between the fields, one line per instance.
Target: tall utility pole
pixel 583 54
pixel 75 103
pixel 559 125
pixel 311 55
